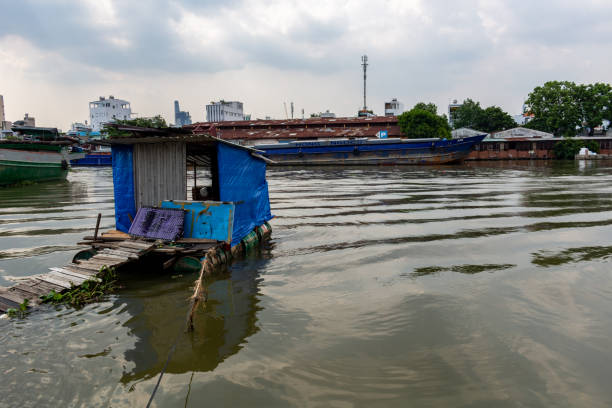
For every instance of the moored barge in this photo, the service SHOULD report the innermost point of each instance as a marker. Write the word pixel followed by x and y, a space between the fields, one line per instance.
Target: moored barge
pixel 364 151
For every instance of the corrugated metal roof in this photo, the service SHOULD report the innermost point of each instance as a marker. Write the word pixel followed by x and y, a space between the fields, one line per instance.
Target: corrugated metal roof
pixel 312 128
pixel 297 122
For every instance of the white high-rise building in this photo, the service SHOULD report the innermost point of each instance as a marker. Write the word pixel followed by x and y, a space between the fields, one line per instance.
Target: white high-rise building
pixel 108 110
pixel 394 108
pixel 223 111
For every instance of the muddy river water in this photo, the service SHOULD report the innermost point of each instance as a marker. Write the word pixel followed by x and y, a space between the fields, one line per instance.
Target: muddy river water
pixel 478 285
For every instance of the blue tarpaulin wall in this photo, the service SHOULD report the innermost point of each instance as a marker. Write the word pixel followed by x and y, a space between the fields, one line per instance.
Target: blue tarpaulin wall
pixel 123 182
pixel 242 180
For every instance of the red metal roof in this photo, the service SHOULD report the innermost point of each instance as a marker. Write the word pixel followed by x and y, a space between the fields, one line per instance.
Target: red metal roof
pixel 300 128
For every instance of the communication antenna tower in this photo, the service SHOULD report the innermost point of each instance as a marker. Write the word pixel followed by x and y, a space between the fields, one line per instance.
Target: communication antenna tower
pixel 291 110
pixel 364 64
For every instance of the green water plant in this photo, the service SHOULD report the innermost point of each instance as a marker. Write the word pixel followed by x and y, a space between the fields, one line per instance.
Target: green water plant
pixel 19 312
pixel 87 292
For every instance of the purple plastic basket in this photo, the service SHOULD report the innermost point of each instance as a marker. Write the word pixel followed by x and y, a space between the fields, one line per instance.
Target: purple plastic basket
pixel 158 223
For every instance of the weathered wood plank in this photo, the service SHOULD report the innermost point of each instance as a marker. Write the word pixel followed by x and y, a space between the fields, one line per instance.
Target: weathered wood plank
pixel 101 262
pixel 116 233
pixel 115 260
pixel 92 269
pixel 48 286
pixel 69 278
pixel 82 271
pixel 102 254
pixel 55 281
pixel 103 238
pixel 75 274
pixel 34 290
pixel 135 251
pixel 129 255
pixel 6 304
pixel 166 250
pixel 137 244
pixel 13 296
pixel 32 297
pixel 94 265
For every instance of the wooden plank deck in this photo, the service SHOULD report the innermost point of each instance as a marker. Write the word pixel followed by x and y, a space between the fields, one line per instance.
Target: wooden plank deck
pixel 110 254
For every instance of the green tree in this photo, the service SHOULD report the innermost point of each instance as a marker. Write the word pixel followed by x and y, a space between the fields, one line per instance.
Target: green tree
pixel 567 148
pixel 156 122
pixel 491 119
pixel 430 107
pixel 595 102
pixel 495 119
pixel 420 123
pixel 556 108
pixel 469 114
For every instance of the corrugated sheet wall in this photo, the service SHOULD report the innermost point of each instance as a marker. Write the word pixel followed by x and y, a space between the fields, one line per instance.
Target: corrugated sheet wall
pixel 159 173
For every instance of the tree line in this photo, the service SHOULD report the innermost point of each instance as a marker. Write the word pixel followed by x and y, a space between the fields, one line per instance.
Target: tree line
pixel 562 108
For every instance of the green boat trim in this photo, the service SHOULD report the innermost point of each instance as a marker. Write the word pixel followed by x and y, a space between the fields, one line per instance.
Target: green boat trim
pixel 32 146
pixel 28 164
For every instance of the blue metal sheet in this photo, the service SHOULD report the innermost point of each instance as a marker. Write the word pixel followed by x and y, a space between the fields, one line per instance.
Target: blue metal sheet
pixel 206 219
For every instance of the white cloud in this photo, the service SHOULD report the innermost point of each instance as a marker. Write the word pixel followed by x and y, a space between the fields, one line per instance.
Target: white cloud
pixel 269 52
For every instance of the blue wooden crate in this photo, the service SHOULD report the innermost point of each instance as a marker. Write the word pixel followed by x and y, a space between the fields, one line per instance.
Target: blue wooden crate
pixel 206 219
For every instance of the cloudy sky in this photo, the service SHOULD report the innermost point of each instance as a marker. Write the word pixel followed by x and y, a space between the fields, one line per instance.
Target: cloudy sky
pixel 57 55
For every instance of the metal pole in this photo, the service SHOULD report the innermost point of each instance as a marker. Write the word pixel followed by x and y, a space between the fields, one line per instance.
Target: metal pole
pixel 364 63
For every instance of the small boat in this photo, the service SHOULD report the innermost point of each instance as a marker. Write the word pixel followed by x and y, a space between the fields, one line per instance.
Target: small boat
pixel 364 151
pixel 35 160
pixel 94 158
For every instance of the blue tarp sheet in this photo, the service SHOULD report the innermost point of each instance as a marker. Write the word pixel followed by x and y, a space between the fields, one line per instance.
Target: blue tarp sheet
pixel 123 182
pixel 242 180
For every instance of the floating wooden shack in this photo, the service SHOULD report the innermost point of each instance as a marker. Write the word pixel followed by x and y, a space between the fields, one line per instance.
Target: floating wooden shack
pixel 223 215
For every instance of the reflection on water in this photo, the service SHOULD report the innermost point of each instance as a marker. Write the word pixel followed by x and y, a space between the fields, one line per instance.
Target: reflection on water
pixel 158 317
pixel 484 284
pixel 469 269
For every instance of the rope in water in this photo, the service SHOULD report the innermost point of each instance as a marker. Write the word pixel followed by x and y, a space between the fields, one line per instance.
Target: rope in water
pixel 198 296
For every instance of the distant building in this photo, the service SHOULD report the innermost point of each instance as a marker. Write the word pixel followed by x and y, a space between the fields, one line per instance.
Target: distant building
pixel 108 110
pixel 4 124
pixel 223 111
pixel 79 129
pixel 2 118
pixel 365 113
pixel 327 114
pixel 452 109
pixel 394 108
pixel 27 121
pixel 181 118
